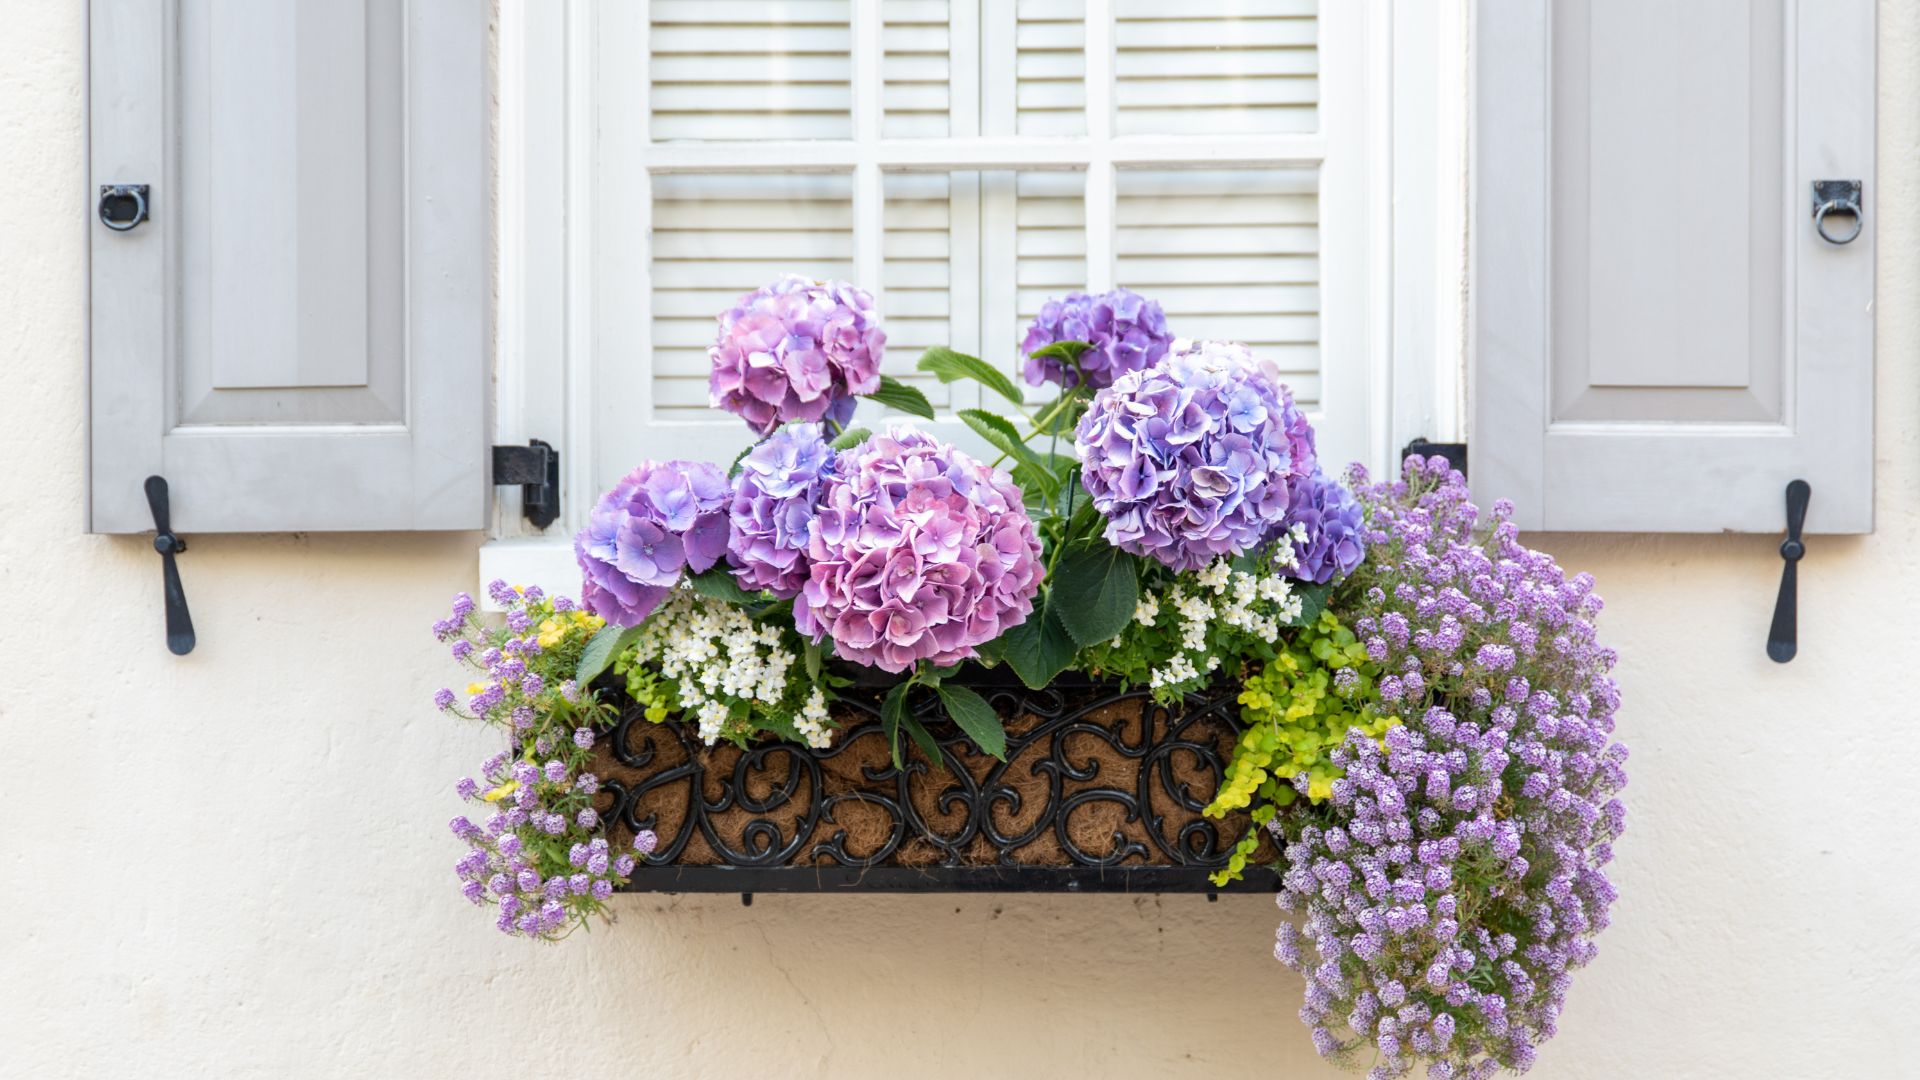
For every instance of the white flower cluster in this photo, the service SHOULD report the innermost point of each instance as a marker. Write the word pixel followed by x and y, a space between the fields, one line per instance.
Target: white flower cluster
pixel 721 662
pixel 1258 604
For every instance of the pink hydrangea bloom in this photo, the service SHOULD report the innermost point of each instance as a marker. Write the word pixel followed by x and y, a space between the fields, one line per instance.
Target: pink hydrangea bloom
pixel 797 349
pixel 661 519
pixel 918 552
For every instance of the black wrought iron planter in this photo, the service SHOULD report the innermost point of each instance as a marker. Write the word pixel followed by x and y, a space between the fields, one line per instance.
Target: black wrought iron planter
pixel 1101 791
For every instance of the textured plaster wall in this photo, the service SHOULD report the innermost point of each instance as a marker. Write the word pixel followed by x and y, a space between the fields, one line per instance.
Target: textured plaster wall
pixel 234 864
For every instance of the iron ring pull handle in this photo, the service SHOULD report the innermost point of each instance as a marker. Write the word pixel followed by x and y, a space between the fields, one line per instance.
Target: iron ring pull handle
pixel 110 198
pixel 1837 197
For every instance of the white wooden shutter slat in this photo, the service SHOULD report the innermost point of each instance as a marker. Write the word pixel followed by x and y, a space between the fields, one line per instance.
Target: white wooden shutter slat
pixel 1050 64
pixel 750 69
pixel 1673 371
pixel 1230 254
pixel 1217 68
pixel 297 338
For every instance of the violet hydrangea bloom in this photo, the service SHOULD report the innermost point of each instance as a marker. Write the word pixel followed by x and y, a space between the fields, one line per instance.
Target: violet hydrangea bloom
pixel 918 552
pixel 661 519
pixel 1195 457
pixel 1127 332
pixel 1459 880
pixel 797 349
pixel 1324 528
pixel 775 496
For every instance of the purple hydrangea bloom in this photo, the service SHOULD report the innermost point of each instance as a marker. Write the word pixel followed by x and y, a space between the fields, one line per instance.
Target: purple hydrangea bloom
pixel 797 349
pixel 774 499
pixel 662 519
pixel 1334 543
pixel 1127 332
pixel 1501 786
pixel 919 552
pixel 1195 457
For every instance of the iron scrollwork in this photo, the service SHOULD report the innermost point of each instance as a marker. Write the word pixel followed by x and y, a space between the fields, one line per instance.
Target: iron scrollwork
pixel 1110 783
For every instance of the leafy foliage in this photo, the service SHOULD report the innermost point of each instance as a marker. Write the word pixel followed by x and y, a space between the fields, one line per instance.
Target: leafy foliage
pixel 895 394
pixel 949 366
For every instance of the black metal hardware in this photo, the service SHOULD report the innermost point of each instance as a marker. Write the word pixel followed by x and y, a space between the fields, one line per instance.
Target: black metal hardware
pixel 1782 636
pixel 1454 452
pixel 1177 749
pixel 180 638
pixel 1837 197
pixel 536 468
pixel 122 206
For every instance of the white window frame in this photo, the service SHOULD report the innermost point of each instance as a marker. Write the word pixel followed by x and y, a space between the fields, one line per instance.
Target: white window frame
pixel 1392 156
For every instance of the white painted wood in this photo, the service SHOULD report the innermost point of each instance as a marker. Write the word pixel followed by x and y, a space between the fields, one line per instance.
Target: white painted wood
pixel 297 340
pixel 1669 364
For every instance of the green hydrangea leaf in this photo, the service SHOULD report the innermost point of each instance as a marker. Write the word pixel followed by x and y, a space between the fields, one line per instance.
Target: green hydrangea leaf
pixel 949 366
pixel 1095 591
pixel 976 718
pixel 610 642
pixel 895 394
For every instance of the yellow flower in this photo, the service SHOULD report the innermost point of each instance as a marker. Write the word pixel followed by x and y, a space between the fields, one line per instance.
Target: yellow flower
pixel 474 688
pixel 551 633
pixel 502 791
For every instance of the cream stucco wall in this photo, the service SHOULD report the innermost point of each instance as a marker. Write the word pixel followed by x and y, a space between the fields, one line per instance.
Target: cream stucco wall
pixel 234 864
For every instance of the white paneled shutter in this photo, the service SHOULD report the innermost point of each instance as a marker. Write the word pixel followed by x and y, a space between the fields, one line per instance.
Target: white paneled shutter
pixel 296 336
pixel 1663 338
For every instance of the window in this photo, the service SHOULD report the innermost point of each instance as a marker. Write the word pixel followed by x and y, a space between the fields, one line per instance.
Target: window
pixel 962 159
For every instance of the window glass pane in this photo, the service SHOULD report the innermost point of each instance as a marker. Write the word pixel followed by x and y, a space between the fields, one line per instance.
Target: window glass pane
pixel 1215 67
pixel 970 257
pixel 915 85
pixel 716 237
pixel 751 69
pixel 1051 64
pixel 1230 254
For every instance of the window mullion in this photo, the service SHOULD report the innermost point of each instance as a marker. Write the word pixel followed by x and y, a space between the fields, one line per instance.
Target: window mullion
pixel 1100 177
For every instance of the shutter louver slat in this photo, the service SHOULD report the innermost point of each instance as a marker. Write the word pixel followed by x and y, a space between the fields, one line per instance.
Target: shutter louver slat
pixel 1229 254
pixel 1050 67
pixel 717 237
pixel 1216 67
pixel 915 68
pixel 751 69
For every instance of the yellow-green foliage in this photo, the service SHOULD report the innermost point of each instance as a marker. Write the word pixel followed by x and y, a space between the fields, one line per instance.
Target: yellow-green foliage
pixel 1296 711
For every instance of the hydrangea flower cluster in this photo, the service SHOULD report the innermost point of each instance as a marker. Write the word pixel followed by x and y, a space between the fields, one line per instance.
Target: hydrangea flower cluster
pixel 919 552
pixel 1195 457
pixel 1457 881
pixel 734 677
pixel 539 855
pixel 774 499
pixel 1126 332
pixel 796 349
pixel 660 520
pixel 1325 529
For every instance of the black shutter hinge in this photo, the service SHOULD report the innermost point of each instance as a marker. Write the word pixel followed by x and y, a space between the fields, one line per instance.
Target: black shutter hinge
pixel 536 468
pixel 1454 452
pixel 180 639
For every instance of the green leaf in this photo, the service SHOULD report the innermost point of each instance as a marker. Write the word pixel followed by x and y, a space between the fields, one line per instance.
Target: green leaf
pixel 814 660
pixel 1032 471
pixel 949 366
pixel 734 469
pixel 924 740
pixel 1313 600
pixel 1040 648
pixel 892 711
pixel 718 584
pixel 898 395
pixel 610 642
pixel 850 438
pixel 1086 520
pixel 976 718
pixel 1067 352
pixel 1095 591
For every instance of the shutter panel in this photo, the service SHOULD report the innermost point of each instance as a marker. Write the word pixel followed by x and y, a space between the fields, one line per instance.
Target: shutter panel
pixel 1216 67
pixel 751 69
pixel 297 338
pixel 1662 341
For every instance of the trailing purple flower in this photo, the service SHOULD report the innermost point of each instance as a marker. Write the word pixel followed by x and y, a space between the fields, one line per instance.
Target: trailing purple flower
pixel 919 552
pixel 775 497
pixel 660 520
pixel 1457 881
pixel 1195 457
pixel 1324 527
pixel 1126 332
pixel 796 349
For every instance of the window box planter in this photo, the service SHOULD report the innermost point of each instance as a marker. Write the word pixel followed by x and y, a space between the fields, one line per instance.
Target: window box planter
pixel 1101 791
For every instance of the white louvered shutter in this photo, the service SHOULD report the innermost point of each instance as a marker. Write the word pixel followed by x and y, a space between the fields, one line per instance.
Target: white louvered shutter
pixel 296 338
pixel 1663 342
